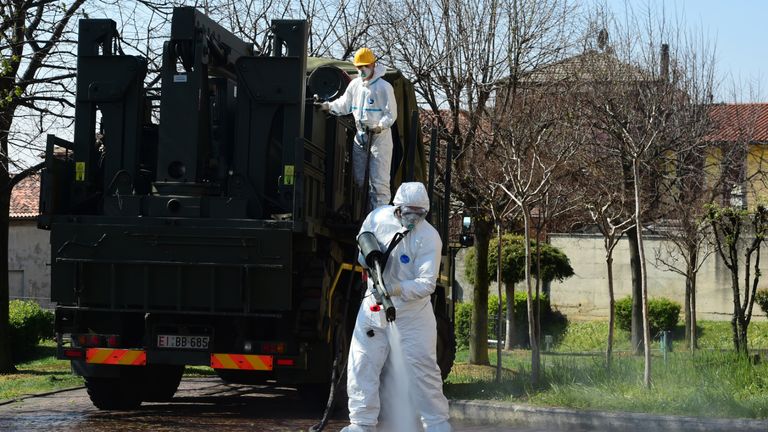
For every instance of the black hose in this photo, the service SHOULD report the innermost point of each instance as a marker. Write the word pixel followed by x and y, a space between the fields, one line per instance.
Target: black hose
pixel 336 380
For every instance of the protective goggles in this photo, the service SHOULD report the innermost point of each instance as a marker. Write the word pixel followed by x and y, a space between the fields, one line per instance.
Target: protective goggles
pixel 416 211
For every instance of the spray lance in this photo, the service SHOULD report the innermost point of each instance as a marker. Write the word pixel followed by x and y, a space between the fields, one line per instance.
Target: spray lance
pixel 376 260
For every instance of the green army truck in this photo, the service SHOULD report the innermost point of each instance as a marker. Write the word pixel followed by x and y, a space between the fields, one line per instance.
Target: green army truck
pixel 212 221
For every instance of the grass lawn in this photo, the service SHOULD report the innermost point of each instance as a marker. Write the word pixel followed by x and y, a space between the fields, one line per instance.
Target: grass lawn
pixel 712 383
pixel 42 373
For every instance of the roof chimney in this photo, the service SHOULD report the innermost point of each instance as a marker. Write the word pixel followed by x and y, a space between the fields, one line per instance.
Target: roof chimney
pixel 602 39
pixel 664 62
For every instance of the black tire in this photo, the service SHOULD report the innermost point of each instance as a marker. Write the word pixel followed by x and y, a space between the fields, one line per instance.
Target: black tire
pixel 121 393
pixel 446 345
pixel 314 394
pixel 161 382
pixel 319 393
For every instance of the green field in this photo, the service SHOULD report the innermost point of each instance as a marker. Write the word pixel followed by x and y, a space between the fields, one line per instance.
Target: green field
pixel 41 374
pixel 713 382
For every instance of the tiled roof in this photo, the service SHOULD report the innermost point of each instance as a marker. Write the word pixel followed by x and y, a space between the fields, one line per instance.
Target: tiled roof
pixel 739 122
pixel 588 67
pixel 24 198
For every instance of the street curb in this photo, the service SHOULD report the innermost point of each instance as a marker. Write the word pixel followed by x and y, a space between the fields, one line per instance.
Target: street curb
pixel 499 413
pixel 52 392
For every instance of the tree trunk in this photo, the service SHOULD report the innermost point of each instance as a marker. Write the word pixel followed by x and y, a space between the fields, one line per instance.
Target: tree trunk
pixel 537 294
pixel 637 304
pixel 735 321
pixel 743 325
pixel 690 298
pixel 509 340
pixel 643 280
pixel 611 312
pixel 688 310
pixel 694 334
pixel 499 319
pixel 535 355
pixel 478 336
pixel 6 359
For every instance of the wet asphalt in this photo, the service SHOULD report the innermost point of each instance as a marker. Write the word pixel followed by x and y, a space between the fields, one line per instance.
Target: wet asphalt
pixel 200 404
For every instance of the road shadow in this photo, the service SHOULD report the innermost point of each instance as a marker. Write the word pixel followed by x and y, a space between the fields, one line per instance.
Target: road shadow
pixel 225 405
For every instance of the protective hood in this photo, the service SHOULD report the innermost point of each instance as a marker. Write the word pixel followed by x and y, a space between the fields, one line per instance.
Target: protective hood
pixel 412 194
pixel 378 72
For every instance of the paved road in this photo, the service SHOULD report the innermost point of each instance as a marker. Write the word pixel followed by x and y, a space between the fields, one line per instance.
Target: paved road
pixel 200 404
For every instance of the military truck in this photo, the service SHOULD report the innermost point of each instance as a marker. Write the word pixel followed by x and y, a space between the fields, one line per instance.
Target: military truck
pixel 212 221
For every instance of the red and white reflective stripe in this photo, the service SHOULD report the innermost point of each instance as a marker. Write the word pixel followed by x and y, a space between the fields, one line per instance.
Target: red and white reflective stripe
pixel 125 357
pixel 241 361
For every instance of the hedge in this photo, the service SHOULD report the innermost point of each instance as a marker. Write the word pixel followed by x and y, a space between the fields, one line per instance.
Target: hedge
pixel 761 298
pixel 552 322
pixel 663 314
pixel 28 325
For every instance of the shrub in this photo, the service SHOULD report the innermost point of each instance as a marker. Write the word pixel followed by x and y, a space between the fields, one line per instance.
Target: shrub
pixel 28 324
pixel 462 320
pixel 761 298
pixel 663 314
pixel 552 322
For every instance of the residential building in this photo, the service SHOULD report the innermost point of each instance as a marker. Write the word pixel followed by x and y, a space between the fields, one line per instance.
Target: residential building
pixel 29 250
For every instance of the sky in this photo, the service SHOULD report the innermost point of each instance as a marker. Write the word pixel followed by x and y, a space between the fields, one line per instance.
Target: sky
pixel 738 28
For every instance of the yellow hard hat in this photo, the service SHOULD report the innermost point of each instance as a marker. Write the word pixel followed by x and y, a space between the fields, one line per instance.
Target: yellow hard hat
pixel 364 57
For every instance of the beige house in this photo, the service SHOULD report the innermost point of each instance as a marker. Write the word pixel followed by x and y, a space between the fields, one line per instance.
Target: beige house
pixel 29 251
pixel 739 127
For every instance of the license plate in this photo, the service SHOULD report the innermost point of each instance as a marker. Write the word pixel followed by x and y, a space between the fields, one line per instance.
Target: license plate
pixel 182 341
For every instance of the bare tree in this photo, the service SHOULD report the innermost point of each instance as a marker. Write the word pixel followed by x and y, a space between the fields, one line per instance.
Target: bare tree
pixel 33 84
pixel 690 179
pixel 740 232
pixel 686 230
pixel 607 205
pixel 647 101
pixel 467 59
pixel 612 218
pixel 537 144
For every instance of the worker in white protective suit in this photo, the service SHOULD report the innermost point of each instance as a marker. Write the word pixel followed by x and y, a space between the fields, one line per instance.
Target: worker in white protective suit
pixel 410 274
pixel 371 100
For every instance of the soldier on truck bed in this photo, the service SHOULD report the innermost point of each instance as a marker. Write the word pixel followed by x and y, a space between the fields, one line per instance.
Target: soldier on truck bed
pixel 371 100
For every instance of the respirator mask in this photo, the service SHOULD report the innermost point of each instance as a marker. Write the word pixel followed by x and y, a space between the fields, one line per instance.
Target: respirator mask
pixel 365 72
pixel 411 216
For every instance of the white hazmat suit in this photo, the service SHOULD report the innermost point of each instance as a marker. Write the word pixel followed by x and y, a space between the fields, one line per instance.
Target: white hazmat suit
pixel 372 103
pixel 410 275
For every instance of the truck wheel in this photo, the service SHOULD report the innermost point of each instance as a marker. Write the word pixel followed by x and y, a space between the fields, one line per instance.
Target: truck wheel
pixel 446 345
pixel 121 393
pixel 161 382
pixel 313 394
pixel 318 393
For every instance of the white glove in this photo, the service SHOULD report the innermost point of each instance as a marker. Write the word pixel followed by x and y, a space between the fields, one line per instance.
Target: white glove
pixel 324 106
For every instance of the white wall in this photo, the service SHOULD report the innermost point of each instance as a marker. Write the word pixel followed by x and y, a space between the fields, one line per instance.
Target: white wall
pixel 29 254
pixel 585 295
